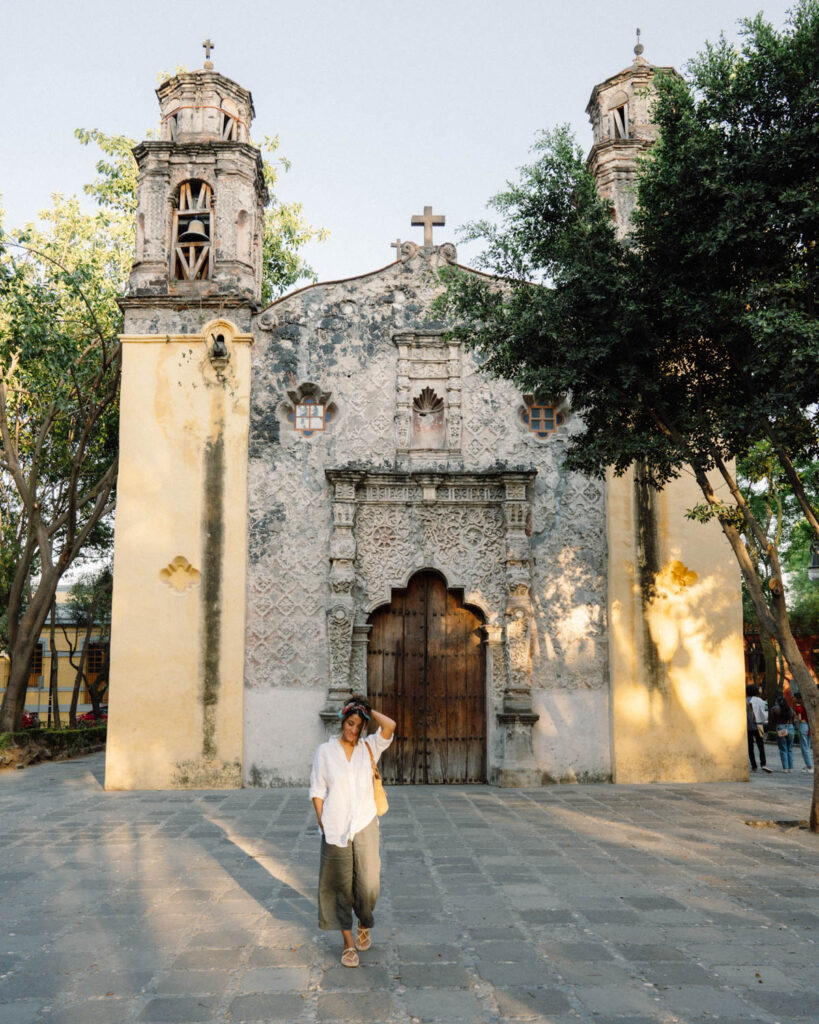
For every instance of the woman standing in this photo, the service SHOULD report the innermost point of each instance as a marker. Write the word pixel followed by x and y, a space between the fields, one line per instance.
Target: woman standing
pixel 782 720
pixel 341 788
pixel 803 731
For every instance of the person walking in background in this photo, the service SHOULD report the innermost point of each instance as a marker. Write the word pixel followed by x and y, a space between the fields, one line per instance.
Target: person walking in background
pixel 341 788
pixel 782 721
pixel 757 711
pixel 803 732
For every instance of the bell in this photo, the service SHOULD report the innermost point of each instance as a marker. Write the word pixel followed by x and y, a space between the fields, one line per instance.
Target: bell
pixel 195 233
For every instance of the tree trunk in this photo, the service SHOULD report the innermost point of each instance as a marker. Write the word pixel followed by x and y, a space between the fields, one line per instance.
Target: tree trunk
pixel 773 616
pixel 78 679
pixel 54 674
pixel 771 681
pixel 25 637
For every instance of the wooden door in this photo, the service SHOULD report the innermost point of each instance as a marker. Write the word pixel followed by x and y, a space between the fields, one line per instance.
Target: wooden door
pixel 426 669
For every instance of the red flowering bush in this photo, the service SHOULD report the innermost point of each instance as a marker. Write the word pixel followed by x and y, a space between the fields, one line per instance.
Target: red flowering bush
pixel 87 719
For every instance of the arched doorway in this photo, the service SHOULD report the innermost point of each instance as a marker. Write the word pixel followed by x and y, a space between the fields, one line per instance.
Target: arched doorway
pixel 426 669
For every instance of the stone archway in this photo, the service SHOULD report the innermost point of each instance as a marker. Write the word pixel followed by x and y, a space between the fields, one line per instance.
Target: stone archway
pixel 426 668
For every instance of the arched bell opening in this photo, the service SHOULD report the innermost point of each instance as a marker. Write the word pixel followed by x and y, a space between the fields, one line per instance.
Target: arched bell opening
pixel 426 668
pixel 192 232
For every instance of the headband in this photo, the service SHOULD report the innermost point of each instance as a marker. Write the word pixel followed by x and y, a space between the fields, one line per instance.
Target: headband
pixel 354 706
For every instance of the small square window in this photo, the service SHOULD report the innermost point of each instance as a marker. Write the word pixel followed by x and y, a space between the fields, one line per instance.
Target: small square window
pixel 309 416
pixel 543 420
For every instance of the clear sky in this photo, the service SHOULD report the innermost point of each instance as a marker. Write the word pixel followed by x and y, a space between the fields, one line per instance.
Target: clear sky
pixel 383 106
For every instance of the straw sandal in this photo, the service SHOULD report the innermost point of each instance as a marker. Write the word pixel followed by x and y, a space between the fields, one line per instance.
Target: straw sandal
pixel 349 958
pixel 362 939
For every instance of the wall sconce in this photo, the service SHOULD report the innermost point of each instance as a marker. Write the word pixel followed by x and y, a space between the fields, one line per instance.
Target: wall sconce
pixel 813 568
pixel 219 355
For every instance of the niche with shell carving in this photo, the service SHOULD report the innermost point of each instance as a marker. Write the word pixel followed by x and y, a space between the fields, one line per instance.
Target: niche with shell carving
pixel 428 421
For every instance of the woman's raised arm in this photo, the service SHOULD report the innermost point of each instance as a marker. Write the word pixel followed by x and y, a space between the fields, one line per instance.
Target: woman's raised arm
pixel 386 724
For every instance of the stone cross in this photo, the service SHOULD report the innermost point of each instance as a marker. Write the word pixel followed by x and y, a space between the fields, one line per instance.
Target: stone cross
pixel 397 246
pixel 428 221
pixel 208 45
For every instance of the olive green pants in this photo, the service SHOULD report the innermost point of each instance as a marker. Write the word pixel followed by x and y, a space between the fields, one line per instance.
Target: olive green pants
pixel 349 880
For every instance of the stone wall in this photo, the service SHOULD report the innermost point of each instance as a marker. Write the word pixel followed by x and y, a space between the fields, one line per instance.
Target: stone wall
pixel 369 346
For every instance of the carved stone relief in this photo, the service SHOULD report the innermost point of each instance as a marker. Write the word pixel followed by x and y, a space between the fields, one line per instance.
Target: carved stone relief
pixel 529 552
pixel 287 583
pixel 428 372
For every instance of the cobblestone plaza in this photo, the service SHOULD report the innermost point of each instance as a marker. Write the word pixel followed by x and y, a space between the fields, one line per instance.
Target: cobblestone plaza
pixel 595 903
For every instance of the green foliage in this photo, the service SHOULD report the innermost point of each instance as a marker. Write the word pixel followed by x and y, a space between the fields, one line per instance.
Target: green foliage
pixel 89 600
pixel 697 336
pixel 285 232
pixel 59 373
pixel 62 741
pixel 779 514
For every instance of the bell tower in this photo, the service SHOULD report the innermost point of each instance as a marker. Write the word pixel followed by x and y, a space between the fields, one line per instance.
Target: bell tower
pixel 180 546
pixel 662 567
pixel 200 199
pixel 620 113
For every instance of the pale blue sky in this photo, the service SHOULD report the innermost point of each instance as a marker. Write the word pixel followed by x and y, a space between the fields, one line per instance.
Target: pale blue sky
pixel 382 107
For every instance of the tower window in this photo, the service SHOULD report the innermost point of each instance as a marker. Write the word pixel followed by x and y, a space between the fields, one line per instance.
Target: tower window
pixel 229 128
pixel 192 232
pixel 619 122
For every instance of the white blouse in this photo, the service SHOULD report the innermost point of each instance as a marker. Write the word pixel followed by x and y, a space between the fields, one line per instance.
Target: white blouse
pixel 346 787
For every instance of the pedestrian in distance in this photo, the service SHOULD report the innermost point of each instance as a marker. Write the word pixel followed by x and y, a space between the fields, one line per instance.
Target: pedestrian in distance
pixel 803 732
pixel 782 721
pixel 757 714
pixel 341 788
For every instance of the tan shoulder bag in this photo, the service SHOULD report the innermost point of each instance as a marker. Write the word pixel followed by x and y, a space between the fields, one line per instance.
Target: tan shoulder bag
pixel 381 802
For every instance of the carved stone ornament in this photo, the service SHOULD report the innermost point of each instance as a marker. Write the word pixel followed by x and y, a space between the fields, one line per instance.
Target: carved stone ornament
pixel 180 575
pixel 428 425
pixel 408 250
pixel 310 409
pixel 427 402
pixel 471 528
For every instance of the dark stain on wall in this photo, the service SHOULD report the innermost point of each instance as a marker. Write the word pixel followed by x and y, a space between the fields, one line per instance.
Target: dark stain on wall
pixel 213 532
pixel 648 566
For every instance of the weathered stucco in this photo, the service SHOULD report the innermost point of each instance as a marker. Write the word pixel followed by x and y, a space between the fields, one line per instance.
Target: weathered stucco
pixel 177 632
pixel 371 346
pixel 677 663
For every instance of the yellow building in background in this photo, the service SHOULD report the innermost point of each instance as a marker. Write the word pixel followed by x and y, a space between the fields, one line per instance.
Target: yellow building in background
pixel 69 641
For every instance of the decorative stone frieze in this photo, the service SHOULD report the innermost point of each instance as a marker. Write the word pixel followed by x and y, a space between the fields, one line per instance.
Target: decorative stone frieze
pixel 341 611
pixel 473 530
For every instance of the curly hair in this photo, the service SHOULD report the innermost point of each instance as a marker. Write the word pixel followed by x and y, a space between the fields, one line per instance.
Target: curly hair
pixel 357 705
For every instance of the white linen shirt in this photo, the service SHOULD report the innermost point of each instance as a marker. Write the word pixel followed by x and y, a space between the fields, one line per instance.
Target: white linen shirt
pixel 760 710
pixel 346 787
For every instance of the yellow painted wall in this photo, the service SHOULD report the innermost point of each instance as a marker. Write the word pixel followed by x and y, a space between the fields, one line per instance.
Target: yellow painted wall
pixel 37 699
pixel 685 720
pixel 175 714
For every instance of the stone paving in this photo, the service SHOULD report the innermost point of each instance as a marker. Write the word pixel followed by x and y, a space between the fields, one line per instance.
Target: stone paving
pixel 594 903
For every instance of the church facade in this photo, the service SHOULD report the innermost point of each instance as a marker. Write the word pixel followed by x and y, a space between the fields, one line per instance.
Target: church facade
pixel 329 496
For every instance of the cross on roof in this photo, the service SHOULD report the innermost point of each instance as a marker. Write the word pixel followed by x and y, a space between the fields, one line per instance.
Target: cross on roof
pixel 428 220
pixel 397 246
pixel 208 45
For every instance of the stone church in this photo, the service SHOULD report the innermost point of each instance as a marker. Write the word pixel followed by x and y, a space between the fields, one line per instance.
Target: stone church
pixel 329 495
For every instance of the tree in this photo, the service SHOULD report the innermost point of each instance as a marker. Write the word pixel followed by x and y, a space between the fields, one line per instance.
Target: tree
pixel 89 608
pixel 59 384
pixel 696 337
pixel 59 387
pixel 774 506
